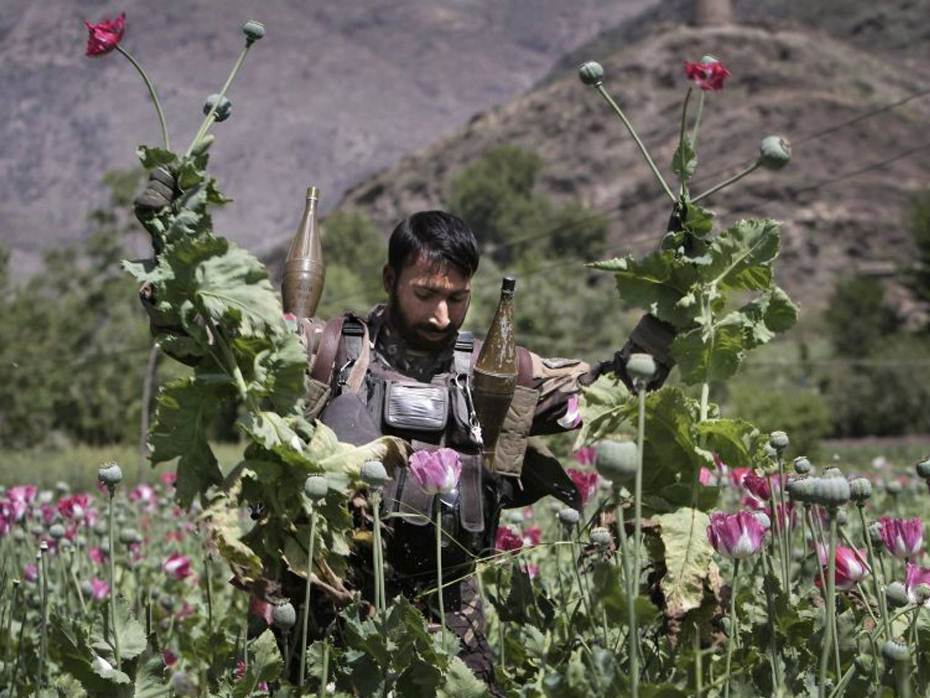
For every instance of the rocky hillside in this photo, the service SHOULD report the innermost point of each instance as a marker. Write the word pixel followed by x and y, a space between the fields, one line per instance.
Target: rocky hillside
pixel 333 93
pixel 797 82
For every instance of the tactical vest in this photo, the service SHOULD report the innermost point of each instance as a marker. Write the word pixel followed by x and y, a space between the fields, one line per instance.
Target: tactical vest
pixel 361 399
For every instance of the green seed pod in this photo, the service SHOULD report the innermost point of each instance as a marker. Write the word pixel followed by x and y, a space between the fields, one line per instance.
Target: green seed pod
pixel 600 536
pixel 778 440
pixel 284 616
pixel 19 535
pixel 923 468
pixel 316 487
pixel 833 472
pixel 641 366
pixel 802 466
pixel 616 461
pixel 774 152
pixel 515 516
pixel 896 595
pixel 223 109
pixel 801 489
pixel 62 487
pixel 182 684
pixel 860 490
pixel 56 531
pixel 38 530
pixel 110 475
pixel 831 491
pixel 64 545
pixel 374 474
pixel 893 487
pixel 591 73
pixel 166 602
pixel 895 651
pixel 253 31
pixel 569 517
pixel 129 536
pixel 922 593
pixel 841 517
pixel 100 527
pixel 875 535
pixel 864 663
pixel 80 542
pixel 87 589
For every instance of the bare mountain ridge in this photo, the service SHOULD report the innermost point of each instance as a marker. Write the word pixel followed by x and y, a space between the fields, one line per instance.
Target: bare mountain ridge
pixel 330 95
pixel 789 82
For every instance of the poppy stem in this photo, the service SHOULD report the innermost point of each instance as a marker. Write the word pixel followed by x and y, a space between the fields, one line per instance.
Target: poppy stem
pixel 437 506
pixel 682 160
pixel 111 554
pixel 211 115
pixel 876 571
pixel 306 616
pixel 727 182
pixel 733 628
pixel 152 94
pixel 830 608
pixel 697 120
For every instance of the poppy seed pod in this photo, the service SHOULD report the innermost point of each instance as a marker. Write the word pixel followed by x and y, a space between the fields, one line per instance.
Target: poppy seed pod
pixel 893 487
pixel 641 366
pixel 831 491
pixel 860 490
pixel 778 440
pixel 373 474
pixel 801 489
pixel 802 466
pixel 895 651
pixel 515 516
pixel 110 475
pixel 569 516
pixel 896 594
pixel 922 593
pixel 129 536
pixel 833 473
pixel 875 535
pixel 923 468
pixel 284 616
pixel 253 30
pixel 316 487
pixel 591 73
pixel 223 107
pixel 600 536
pixel 774 152
pixel 56 531
pixel 616 461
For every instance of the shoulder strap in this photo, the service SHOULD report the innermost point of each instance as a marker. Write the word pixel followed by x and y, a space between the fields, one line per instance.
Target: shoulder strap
pixel 345 338
pixel 325 359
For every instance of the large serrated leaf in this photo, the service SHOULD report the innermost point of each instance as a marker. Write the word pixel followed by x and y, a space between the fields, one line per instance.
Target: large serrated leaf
pixel 688 556
pixel 222 521
pixel 709 359
pixel 742 256
pixel 603 409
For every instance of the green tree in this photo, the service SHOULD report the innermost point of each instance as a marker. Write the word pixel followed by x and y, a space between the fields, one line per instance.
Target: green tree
pixel 354 252
pixel 919 225
pixel 857 317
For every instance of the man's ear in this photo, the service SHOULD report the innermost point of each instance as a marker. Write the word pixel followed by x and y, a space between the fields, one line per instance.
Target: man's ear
pixel 388 278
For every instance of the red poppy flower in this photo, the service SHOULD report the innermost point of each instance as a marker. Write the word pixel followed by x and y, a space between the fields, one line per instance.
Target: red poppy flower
pixel 105 35
pixel 585 481
pixel 707 76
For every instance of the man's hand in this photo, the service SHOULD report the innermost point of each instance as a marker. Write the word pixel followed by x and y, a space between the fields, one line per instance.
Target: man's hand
pixel 158 193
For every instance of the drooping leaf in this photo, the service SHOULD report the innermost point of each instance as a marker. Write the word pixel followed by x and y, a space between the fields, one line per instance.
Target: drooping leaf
pixel 602 409
pixel 688 556
pixel 222 521
pixel 685 161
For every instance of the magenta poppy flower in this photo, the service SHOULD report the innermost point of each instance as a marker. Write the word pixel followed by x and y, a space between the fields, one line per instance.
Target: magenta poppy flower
pixel 572 417
pixel 903 538
pixel 706 477
pixel 169 658
pixel 851 566
pixel 532 535
pixel 585 481
pixel 99 589
pixel 74 507
pixel 19 499
pixel 6 520
pixel 758 486
pixel 97 556
pixel 532 571
pixel 30 572
pixel 142 493
pixel 437 471
pixel 105 35
pixel 177 566
pixel 738 475
pixel 507 539
pixel 708 76
pixel 168 478
pixel 585 455
pixel 916 576
pixel 261 609
pixel 737 536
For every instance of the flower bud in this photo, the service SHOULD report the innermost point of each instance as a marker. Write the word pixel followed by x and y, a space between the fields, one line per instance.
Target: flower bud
pixel 774 152
pixel 284 616
pixel 896 595
pixel 923 468
pixel 56 531
pixel 316 487
pixel 569 517
pixel 893 487
pixel 223 109
pixel 860 490
pixel 110 475
pixel 591 73
pixel 616 461
pixel 600 536
pixel 253 31
pixel 373 474
pixel 895 651
pixel 641 366
pixel 778 440
pixel 802 466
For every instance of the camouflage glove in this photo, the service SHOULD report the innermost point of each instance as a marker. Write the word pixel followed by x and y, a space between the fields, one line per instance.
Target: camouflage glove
pixel 650 336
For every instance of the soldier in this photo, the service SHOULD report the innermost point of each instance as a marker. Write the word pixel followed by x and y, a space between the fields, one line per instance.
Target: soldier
pixel 402 371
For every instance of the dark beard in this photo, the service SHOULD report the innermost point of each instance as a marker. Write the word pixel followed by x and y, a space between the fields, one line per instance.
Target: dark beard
pixel 410 334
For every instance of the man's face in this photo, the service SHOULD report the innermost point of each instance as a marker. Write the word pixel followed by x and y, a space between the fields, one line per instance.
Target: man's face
pixel 428 301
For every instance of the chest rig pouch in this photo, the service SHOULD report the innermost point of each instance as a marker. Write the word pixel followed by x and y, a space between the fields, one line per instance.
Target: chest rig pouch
pixel 415 406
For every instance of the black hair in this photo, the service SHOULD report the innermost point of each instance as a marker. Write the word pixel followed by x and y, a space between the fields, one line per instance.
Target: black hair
pixel 436 235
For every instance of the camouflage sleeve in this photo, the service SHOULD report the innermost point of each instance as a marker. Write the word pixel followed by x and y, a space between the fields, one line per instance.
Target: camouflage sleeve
pixel 559 380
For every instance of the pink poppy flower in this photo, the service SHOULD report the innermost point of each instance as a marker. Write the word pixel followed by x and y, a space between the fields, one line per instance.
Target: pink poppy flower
pixel 585 455
pixel 169 658
pixel 532 535
pixel 736 536
pixel 142 493
pixel 261 609
pixel 99 589
pixel 851 566
pixel 507 539
pixel 19 498
pixel 105 35
pixel 185 612
pixel 914 577
pixel 706 477
pixel 436 471
pixel 572 417
pixel 738 476
pixel 97 556
pixel 903 538
pixel 177 566
pixel 585 481
pixel 30 572
pixel 757 485
pixel 532 571
pixel 74 507
pixel 707 76
pixel 168 478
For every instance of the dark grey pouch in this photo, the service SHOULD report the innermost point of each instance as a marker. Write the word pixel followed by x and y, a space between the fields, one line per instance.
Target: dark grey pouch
pixel 416 406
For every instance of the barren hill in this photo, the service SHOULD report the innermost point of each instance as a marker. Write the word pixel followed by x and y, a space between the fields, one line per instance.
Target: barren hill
pixel 839 212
